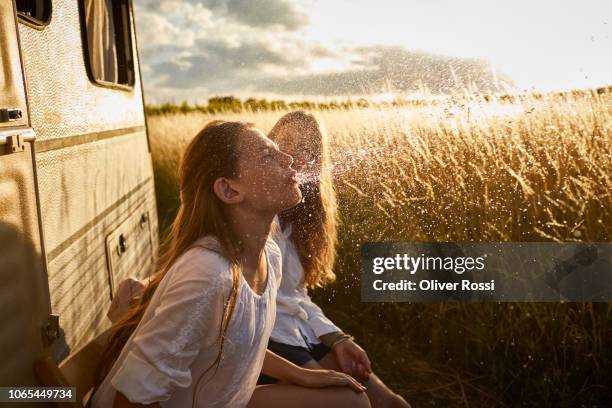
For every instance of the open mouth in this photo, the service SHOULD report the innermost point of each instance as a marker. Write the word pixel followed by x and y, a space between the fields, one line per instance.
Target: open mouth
pixel 293 177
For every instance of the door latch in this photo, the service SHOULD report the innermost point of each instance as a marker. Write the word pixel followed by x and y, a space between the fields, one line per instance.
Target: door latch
pixel 51 331
pixel 14 144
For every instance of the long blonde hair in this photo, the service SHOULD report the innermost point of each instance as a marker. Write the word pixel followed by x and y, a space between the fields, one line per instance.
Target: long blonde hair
pixel 314 220
pixel 213 153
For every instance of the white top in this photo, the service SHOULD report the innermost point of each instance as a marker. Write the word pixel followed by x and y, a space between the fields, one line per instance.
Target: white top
pixel 166 357
pixel 298 320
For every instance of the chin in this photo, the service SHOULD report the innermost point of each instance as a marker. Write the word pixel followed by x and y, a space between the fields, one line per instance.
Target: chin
pixel 298 198
pixel 294 199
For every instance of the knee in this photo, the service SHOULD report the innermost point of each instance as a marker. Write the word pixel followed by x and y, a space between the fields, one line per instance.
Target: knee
pixel 347 398
pixel 396 401
pixel 358 400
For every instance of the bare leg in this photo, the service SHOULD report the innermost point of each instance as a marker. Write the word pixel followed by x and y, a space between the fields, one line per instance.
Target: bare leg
pixel 282 396
pixel 379 394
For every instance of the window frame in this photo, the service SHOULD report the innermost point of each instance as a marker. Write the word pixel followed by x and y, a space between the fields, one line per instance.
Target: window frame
pixel 87 57
pixel 34 22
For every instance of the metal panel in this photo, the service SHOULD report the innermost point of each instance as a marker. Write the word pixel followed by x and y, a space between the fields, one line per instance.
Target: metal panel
pixel 78 277
pixel 79 182
pixel 128 245
pixel 12 90
pixel 24 296
pixel 89 190
pixel 63 100
pixel 24 300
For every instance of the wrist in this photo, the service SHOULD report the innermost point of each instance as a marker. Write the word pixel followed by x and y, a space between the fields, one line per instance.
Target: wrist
pixel 281 368
pixel 329 338
pixel 341 339
pixel 296 375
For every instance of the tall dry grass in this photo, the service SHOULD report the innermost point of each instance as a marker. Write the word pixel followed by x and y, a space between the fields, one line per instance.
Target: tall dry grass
pixel 466 170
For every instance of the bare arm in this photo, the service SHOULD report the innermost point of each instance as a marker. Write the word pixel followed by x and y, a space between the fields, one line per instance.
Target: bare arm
pixel 278 367
pixel 284 370
pixel 122 402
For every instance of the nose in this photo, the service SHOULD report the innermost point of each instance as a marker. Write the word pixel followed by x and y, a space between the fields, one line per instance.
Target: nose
pixel 287 158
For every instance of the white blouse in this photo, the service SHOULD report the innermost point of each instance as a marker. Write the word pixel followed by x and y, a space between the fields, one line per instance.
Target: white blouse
pixel 298 320
pixel 166 358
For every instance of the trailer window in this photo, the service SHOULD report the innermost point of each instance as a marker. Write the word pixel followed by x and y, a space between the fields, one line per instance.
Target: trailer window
pixel 34 12
pixel 109 41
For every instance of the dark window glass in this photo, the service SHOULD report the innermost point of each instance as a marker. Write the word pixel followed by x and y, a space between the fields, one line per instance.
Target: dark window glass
pixel 37 12
pixel 109 44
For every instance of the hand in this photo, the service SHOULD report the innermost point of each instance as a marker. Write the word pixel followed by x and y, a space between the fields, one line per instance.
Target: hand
pixel 352 359
pixel 327 378
pixel 127 290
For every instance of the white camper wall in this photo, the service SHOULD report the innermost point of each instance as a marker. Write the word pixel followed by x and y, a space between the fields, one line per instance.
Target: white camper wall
pixel 24 299
pixel 94 171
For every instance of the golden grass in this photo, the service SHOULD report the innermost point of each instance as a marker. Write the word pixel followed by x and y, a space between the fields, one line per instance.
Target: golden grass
pixel 466 170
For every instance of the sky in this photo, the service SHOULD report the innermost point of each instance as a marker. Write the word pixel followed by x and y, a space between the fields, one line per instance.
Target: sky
pixel 195 49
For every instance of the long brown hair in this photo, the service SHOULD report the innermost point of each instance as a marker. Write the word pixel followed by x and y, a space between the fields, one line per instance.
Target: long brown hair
pixel 213 153
pixel 314 220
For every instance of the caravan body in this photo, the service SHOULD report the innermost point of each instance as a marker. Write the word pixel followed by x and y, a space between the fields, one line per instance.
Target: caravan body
pixel 77 203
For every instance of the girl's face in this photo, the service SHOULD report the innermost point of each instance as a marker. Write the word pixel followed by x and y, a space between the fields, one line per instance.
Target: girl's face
pixel 265 176
pixel 304 149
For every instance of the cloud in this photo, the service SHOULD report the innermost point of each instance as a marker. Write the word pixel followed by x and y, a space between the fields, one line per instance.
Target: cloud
pixel 223 68
pixel 261 13
pixel 375 70
pixel 383 68
pixel 155 30
pixel 197 49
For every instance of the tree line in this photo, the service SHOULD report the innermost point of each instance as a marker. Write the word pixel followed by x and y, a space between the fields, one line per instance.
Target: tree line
pixel 225 104
pixel 231 104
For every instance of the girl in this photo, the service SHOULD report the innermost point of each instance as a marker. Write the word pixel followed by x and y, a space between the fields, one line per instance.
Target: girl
pixel 197 337
pixel 302 334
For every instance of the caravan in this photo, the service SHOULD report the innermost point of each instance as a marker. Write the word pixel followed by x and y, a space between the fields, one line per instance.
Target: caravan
pixel 77 203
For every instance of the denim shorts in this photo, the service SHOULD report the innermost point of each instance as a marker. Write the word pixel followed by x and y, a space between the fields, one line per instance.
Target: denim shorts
pixel 296 354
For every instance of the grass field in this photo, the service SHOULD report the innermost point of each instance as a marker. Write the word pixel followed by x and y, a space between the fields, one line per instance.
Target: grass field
pixel 539 169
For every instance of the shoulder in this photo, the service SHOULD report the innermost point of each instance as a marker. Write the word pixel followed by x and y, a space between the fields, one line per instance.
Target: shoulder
pixel 281 236
pixel 202 261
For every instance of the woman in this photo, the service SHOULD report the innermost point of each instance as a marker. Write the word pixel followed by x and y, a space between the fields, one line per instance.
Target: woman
pixel 197 337
pixel 302 334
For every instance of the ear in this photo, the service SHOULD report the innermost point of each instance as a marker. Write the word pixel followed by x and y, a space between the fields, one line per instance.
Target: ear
pixel 224 189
